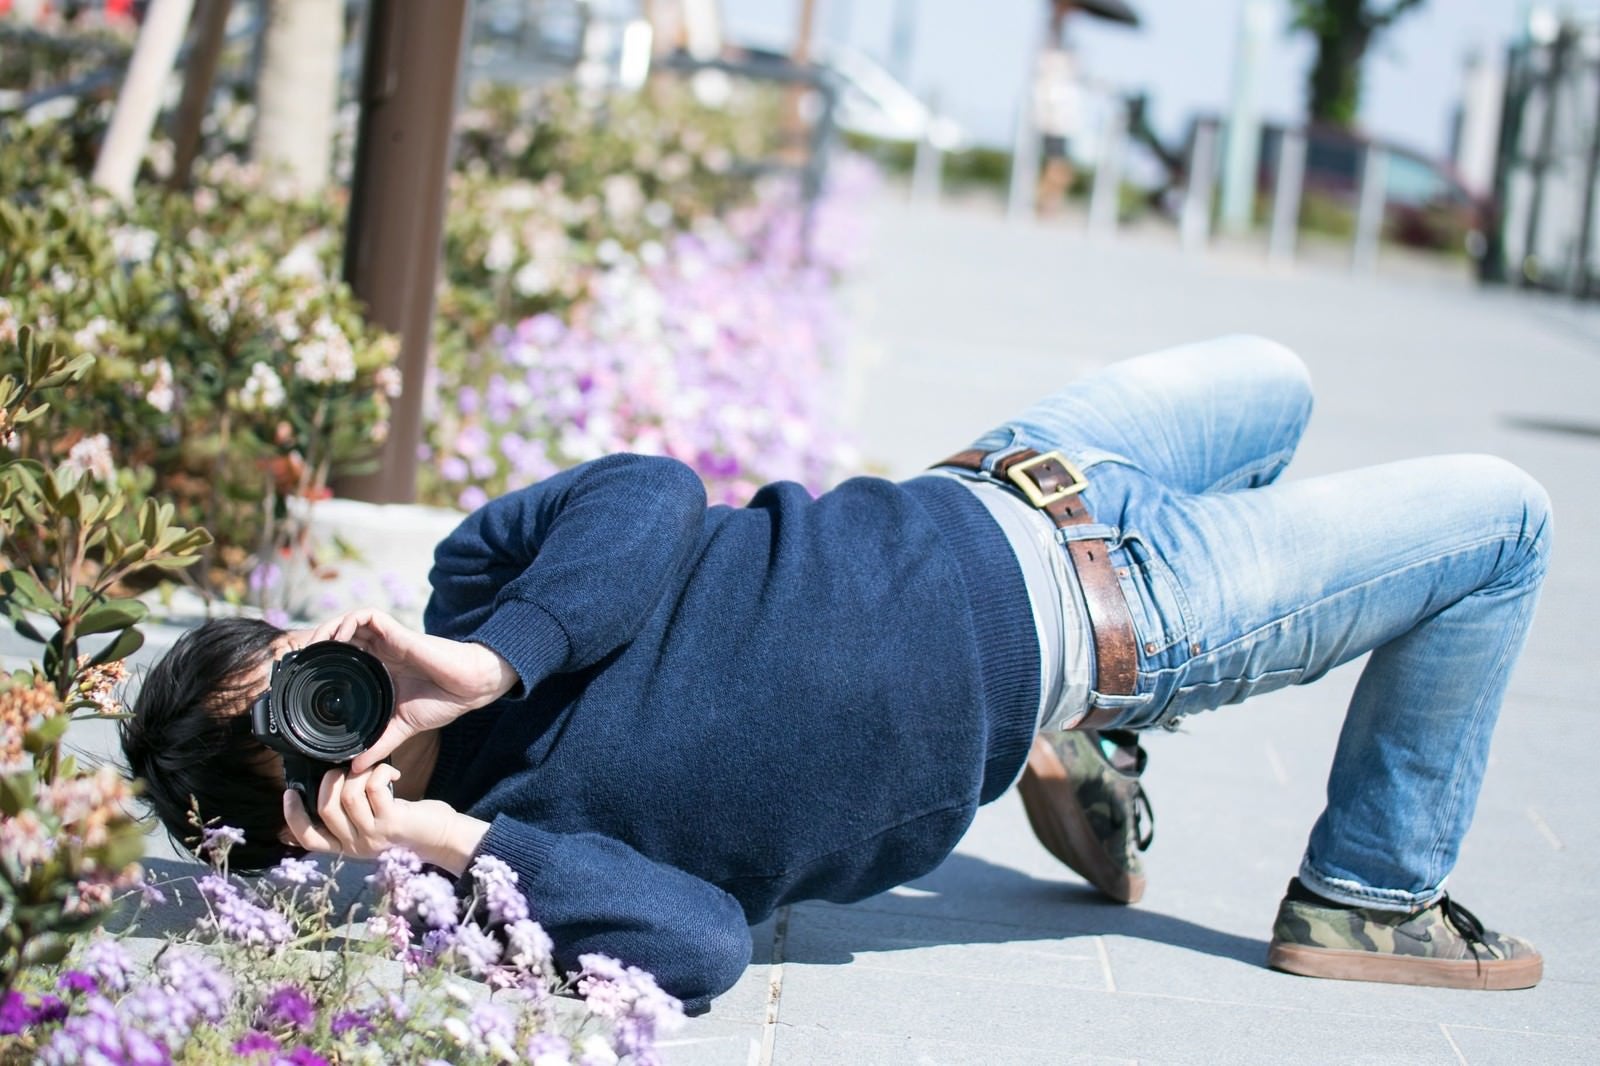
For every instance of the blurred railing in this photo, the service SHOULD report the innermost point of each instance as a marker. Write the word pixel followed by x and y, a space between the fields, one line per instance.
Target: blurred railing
pixel 1547 181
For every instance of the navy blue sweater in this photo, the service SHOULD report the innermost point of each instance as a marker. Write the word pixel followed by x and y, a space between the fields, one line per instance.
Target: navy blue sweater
pixel 724 710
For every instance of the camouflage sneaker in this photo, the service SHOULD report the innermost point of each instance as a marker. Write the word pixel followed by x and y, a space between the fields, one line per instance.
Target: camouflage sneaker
pixel 1443 945
pixel 1088 813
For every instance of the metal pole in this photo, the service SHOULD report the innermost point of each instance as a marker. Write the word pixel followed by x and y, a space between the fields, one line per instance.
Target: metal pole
pixel 1582 269
pixel 927 169
pixel 1195 221
pixel 210 23
pixel 1369 215
pixel 1242 152
pixel 392 239
pixel 1105 201
pixel 1286 197
pixel 1540 163
pixel 1024 162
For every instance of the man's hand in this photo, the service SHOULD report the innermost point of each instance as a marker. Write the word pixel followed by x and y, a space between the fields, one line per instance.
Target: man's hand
pixel 361 818
pixel 435 680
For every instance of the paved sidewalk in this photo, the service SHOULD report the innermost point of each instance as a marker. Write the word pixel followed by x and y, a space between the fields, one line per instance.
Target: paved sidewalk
pixel 1001 955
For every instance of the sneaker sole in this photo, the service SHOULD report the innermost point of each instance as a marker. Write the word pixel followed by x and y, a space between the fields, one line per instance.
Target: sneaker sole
pixel 1061 825
pixel 1346 964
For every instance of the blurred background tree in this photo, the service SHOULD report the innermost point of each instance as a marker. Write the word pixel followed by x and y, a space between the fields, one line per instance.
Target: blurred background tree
pixel 1345 30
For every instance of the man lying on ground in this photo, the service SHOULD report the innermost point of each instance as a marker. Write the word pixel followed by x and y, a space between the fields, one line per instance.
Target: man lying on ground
pixel 671 719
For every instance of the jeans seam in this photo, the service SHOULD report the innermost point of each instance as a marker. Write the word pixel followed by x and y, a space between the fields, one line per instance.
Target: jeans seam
pixel 1241 477
pixel 1313 605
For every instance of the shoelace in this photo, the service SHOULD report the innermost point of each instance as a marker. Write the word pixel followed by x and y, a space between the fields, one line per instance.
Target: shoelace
pixel 1466 923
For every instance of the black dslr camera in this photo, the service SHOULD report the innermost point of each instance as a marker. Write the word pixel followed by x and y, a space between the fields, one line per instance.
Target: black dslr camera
pixel 329 702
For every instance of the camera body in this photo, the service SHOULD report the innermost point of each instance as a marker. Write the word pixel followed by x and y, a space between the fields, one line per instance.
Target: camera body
pixel 327 703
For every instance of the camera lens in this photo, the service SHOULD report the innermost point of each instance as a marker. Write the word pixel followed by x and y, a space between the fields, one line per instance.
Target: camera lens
pixel 334 700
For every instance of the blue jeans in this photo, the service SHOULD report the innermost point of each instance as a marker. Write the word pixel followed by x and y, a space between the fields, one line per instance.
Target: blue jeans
pixel 1239 585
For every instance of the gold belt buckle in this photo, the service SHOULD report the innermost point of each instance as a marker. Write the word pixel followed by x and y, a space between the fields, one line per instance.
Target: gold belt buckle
pixel 1018 473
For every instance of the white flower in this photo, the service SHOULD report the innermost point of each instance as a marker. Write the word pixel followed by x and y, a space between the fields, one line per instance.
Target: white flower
pixel 501 254
pixel 608 251
pixel 596 1051
pixel 160 395
pixel 674 167
pixel 658 213
pixel 134 244
pixel 62 280
pixel 8 322
pixel 325 357
pixel 302 261
pixel 623 197
pixel 531 280
pixel 89 336
pixel 264 391
pixel 91 457
pixel 389 379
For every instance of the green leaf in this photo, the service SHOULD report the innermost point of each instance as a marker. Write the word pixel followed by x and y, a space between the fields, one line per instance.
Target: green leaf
pixel 113 614
pixel 46 734
pixel 21 587
pixel 16 792
pixel 130 641
pixel 46 950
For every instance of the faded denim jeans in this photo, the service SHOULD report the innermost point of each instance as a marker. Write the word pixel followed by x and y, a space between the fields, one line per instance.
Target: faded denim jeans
pixel 1239 585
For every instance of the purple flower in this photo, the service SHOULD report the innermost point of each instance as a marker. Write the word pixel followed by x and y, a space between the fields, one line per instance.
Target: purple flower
pixel 498 884
pixel 475 949
pixel 433 900
pixel 396 868
pixel 106 961
pixel 15 1014
pixel 76 981
pixel 528 946
pixel 549 1049
pixel 198 981
pixel 239 920
pixel 255 1042
pixel 264 577
pixel 276 616
pixel 216 840
pixel 293 871
pixel 630 998
pixel 103 1034
pixel 302 1056
pixel 351 1021
pixel 472 497
pixel 454 468
pixel 288 1005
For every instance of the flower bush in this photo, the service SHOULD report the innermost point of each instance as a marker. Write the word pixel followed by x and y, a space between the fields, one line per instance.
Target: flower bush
pixel 230 370
pixel 70 538
pixel 276 973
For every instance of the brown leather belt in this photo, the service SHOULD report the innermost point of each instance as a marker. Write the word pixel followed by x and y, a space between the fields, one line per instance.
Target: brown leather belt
pixel 1053 485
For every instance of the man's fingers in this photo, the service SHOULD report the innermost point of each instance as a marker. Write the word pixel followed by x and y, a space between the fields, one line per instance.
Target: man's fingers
pixel 305 833
pixel 330 809
pixel 396 734
pixel 380 792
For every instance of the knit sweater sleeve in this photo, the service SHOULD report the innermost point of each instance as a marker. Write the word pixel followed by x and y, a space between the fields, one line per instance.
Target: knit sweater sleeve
pixel 595 894
pixel 556 576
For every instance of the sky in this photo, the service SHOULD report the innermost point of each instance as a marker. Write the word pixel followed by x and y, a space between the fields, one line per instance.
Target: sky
pixel 975 55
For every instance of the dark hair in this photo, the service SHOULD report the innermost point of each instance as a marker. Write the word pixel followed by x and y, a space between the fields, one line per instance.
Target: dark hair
pixel 189 741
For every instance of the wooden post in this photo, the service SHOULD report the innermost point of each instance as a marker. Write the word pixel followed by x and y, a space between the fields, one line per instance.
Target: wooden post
pixel 392 238
pixel 210 23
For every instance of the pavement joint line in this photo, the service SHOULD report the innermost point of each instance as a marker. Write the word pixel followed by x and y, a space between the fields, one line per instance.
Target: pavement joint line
pixel 1124 994
pixel 769 1024
pixel 1105 963
pixel 1055 934
pixel 1445 1029
pixel 1544 829
pixel 947 1041
pixel 1279 772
